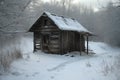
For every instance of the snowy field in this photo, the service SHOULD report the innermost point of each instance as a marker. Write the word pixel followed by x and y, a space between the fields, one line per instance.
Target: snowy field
pixel 41 66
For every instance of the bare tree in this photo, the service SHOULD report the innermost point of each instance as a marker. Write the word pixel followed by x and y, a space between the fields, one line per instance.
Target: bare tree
pixel 22 10
pixel 69 6
pixel 63 7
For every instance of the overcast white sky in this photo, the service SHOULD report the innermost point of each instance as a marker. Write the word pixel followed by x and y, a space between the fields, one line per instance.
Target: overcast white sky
pixel 95 3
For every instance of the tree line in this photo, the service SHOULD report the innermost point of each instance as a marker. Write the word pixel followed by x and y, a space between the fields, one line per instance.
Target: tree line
pixel 105 24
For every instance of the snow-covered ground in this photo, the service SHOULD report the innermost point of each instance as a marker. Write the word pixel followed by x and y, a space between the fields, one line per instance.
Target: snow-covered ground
pixel 71 66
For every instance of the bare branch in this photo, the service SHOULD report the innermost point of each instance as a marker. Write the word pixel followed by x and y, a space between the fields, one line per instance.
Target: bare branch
pixel 24 7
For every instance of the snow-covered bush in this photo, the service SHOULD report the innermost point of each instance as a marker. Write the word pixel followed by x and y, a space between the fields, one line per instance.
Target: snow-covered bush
pixel 9 51
pixel 107 68
pixel 112 67
pixel 117 67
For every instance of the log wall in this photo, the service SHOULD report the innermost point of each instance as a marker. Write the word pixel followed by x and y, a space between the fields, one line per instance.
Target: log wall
pixel 49 38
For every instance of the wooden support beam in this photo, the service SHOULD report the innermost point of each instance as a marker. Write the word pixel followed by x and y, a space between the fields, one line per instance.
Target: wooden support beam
pixel 34 43
pixel 87 45
pixel 61 42
pixel 41 43
pixel 67 39
pixel 80 45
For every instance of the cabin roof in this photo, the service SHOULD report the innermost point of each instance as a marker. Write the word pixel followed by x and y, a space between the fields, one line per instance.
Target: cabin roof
pixel 66 23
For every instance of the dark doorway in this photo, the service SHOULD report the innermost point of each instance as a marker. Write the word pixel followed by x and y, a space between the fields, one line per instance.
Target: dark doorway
pixel 45 43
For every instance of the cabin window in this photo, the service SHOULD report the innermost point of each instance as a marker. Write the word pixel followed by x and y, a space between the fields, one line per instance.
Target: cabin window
pixel 45 22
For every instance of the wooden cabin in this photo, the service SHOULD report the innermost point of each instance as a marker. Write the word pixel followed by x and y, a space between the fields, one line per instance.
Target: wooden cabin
pixel 56 34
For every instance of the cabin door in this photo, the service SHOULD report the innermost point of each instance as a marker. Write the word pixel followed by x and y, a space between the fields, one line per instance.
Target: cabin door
pixel 45 43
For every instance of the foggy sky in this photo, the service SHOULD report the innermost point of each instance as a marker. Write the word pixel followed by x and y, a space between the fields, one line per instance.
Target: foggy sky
pixel 92 3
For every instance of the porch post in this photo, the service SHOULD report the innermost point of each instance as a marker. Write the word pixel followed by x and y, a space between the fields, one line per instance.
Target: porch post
pixel 87 45
pixel 34 43
pixel 80 45
pixel 41 43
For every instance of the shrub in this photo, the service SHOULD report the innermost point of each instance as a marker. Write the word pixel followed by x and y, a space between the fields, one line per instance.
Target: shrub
pixel 107 68
pixel 9 51
pixel 117 67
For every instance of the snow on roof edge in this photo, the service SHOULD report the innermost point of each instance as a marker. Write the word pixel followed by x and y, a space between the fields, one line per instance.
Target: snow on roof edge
pixel 67 23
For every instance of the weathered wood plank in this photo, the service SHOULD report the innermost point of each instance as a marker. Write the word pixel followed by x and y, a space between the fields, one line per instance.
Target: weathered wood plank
pixel 55 45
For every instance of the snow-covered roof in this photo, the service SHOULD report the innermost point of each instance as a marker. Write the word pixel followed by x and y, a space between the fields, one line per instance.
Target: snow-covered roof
pixel 67 23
